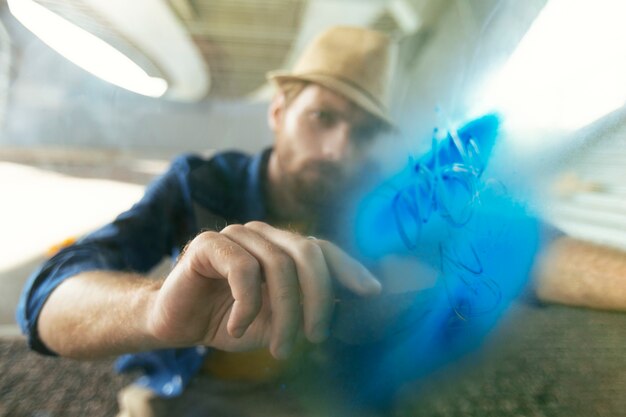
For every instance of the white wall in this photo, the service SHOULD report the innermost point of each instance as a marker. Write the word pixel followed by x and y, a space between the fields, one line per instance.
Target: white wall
pixel 470 40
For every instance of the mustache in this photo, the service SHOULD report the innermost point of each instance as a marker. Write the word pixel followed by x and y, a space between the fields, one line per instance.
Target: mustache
pixel 325 167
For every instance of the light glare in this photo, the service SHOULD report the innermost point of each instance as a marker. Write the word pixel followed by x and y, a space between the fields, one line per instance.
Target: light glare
pixel 86 50
pixel 569 69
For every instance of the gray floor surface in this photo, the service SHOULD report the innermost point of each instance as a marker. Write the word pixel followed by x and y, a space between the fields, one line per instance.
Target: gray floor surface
pixel 543 361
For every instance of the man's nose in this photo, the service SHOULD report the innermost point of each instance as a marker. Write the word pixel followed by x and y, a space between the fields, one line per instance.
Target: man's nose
pixel 338 146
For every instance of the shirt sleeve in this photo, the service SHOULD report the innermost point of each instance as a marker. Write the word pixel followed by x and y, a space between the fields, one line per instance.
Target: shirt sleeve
pixel 135 241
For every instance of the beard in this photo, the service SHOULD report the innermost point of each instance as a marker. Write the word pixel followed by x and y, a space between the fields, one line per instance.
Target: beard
pixel 312 183
pixel 318 184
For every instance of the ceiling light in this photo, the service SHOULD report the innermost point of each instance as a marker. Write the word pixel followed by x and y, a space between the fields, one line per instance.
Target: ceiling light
pixel 139 45
pixel 85 49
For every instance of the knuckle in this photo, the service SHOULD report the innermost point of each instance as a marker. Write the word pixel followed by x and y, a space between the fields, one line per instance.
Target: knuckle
pixel 308 249
pixel 270 248
pixel 225 251
pixel 207 234
pixel 232 229
pixel 322 243
pixel 255 224
pixel 203 238
pixel 192 252
pixel 200 243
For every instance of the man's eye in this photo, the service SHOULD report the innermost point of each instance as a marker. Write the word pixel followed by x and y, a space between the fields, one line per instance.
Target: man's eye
pixel 324 117
pixel 366 133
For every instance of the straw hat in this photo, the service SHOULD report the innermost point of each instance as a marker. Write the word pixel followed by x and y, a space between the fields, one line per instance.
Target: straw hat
pixel 354 62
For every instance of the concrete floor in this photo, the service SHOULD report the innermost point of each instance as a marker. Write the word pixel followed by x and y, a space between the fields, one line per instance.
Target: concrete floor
pixel 53 195
pixel 543 361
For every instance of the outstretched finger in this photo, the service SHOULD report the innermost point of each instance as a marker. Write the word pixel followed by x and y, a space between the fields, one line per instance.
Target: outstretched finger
pixel 348 271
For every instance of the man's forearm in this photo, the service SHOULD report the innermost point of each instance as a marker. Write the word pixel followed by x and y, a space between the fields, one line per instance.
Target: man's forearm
pixel 580 273
pixel 99 314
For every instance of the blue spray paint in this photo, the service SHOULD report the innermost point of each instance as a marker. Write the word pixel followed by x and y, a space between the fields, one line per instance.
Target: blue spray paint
pixel 441 210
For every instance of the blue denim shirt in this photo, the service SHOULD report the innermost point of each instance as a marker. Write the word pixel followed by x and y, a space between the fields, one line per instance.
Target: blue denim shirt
pixel 194 194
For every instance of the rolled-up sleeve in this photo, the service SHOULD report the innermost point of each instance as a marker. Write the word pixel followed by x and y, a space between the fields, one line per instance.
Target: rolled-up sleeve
pixel 136 241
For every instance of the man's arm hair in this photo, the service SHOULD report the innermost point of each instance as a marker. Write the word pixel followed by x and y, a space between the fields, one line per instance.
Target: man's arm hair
pixel 580 273
pixel 99 314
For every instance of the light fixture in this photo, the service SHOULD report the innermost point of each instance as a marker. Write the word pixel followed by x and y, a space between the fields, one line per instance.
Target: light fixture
pixel 139 46
pixel 85 49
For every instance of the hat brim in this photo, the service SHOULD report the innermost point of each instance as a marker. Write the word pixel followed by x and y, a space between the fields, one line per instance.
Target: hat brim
pixel 348 90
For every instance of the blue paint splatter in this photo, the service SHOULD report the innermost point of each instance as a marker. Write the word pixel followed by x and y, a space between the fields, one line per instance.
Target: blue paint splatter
pixel 442 210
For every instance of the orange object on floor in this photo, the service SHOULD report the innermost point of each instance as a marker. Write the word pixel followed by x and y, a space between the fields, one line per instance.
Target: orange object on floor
pixel 54 249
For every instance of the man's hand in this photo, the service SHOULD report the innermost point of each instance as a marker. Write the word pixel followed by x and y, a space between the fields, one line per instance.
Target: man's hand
pixel 252 286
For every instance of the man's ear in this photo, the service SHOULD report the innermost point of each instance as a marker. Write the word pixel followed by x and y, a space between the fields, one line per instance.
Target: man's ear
pixel 276 111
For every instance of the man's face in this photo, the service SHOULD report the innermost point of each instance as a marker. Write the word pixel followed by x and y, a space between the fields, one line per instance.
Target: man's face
pixel 321 143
